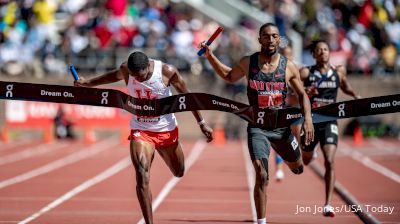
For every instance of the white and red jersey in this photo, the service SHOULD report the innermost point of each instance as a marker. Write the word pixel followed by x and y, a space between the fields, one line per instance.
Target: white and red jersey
pixel 154 88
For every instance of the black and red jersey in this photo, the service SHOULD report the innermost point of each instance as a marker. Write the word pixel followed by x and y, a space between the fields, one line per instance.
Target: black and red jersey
pixel 266 90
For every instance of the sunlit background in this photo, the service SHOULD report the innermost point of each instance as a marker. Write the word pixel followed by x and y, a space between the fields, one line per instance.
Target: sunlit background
pixel 64 163
pixel 38 39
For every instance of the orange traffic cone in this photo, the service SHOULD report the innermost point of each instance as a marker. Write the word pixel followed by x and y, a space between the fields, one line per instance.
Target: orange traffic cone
pixel 4 135
pixel 358 138
pixel 124 136
pixel 219 136
pixel 48 134
pixel 90 137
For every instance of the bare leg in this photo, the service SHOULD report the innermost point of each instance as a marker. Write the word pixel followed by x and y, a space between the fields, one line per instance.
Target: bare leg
pixel 329 151
pixel 279 174
pixel 279 165
pixel 296 167
pixel 142 155
pixel 260 193
pixel 307 156
pixel 296 130
pixel 174 158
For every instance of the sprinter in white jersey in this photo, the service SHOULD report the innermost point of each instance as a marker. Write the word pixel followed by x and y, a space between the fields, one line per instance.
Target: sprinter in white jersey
pixel 150 79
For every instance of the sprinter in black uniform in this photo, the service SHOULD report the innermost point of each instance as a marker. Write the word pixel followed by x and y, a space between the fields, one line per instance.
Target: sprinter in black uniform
pixel 268 74
pixel 322 82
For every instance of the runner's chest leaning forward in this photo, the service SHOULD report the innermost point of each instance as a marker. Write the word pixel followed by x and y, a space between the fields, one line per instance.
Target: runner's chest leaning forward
pixel 267 89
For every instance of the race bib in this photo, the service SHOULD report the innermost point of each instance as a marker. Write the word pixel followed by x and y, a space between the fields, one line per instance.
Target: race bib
pixel 334 129
pixel 270 100
pixel 294 144
pixel 148 119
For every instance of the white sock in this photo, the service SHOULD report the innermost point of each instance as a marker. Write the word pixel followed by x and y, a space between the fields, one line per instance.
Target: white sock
pixel 262 221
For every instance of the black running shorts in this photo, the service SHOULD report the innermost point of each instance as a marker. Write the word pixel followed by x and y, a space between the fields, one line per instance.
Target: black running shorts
pixel 281 139
pixel 325 133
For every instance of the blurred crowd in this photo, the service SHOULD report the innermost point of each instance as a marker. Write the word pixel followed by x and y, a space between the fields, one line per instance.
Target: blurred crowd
pixel 364 35
pixel 41 37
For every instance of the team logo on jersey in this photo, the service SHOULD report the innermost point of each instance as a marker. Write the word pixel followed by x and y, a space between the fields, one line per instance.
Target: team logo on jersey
pixel 145 94
pixel 327 84
pixel 272 87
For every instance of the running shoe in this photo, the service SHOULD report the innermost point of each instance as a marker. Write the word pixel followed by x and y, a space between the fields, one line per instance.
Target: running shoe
pixel 279 175
pixel 329 211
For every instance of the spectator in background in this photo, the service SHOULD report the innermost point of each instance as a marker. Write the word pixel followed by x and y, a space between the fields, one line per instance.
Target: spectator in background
pixel 44 14
pixel 149 24
pixel 117 7
pixel 391 52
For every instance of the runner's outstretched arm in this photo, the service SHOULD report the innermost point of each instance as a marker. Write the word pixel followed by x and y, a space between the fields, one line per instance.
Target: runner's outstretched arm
pixel 108 77
pixel 297 85
pixel 344 84
pixel 229 74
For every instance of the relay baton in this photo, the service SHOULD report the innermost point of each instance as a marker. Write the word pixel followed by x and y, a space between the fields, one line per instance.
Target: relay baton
pixel 73 72
pixel 210 40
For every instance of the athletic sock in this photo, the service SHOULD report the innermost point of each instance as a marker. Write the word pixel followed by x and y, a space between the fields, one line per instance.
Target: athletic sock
pixel 262 221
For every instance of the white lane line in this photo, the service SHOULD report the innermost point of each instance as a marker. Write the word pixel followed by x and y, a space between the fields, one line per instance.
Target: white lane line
pixel 81 154
pixel 366 161
pixel 122 164
pixel 12 145
pixel 191 159
pixel 250 179
pixel 384 146
pixel 31 152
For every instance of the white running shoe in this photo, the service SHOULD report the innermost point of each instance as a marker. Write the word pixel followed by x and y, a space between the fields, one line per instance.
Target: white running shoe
pixel 328 211
pixel 262 221
pixel 279 175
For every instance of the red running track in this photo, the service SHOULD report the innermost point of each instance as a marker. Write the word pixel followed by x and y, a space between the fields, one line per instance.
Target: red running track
pixel 70 182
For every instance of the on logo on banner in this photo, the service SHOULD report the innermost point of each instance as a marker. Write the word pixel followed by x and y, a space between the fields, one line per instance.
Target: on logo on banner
pixel 9 88
pixel 341 110
pixel 104 99
pixel 260 119
pixel 182 104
